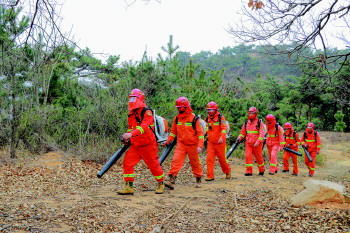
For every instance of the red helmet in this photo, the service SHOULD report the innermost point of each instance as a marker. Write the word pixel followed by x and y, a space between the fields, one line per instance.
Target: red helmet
pixel 182 102
pixel 253 109
pixel 287 125
pixel 212 105
pixel 137 93
pixel 310 124
pixel 270 117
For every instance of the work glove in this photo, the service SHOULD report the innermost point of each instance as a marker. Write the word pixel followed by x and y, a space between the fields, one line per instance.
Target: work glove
pixel 317 152
pixel 199 150
pixel 220 141
pixel 257 143
pixel 281 148
pixel 164 144
pixel 126 136
pixel 238 140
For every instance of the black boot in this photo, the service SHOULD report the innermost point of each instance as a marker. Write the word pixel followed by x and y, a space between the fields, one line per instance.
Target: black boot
pixel 171 183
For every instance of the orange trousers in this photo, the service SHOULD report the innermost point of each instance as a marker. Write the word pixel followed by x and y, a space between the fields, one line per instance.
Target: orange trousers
pixel 273 151
pixel 216 150
pixel 179 157
pixel 311 165
pixel 149 154
pixel 286 157
pixel 251 151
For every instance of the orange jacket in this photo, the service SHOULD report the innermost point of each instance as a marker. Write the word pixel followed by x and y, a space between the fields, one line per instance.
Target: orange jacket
pixel 216 128
pixel 275 138
pixel 312 140
pixel 292 139
pixel 183 130
pixel 251 131
pixel 142 135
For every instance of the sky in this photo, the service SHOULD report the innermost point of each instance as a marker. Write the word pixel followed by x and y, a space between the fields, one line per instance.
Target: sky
pixel 111 27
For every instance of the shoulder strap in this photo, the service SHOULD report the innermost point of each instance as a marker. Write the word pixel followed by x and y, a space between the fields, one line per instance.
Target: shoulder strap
pixel 315 137
pixel 276 129
pixel 195 119
pixel 206 119
pixel 258 125
pixel 220 115
pixel 143 112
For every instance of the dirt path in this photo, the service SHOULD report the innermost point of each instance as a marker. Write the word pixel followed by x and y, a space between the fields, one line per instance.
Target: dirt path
pixel 56 193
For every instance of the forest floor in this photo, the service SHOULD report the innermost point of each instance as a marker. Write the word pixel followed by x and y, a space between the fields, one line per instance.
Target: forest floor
pixel 57 192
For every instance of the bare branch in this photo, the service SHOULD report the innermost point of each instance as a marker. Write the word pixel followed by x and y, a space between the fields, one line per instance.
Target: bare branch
pixel 305 23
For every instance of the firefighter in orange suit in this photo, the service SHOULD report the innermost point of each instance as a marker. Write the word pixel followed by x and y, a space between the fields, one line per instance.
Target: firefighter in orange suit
pixel 253 131
pixel 142 141
pixel 292 142
pixel 216 132
pixel 190 141
pixel 275 142
pixel 312 141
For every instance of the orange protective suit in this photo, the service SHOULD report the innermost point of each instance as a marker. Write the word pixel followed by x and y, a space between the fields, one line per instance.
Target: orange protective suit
pixel 312 141
pixel 254 134
pixel 292 142
pixel 216 130
pixel 275 142
pixel 188 139
pixel 143 145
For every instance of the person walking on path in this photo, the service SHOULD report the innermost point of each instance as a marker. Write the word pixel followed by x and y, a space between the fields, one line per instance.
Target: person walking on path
pixel 216 137
pixel 275 142
pixel 311 140
pixel 143 143
pixel 189 136
pixel 253 130
pixel 292 142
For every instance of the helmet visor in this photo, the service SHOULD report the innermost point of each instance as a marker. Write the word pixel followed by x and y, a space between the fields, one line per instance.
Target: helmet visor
pixel 132 99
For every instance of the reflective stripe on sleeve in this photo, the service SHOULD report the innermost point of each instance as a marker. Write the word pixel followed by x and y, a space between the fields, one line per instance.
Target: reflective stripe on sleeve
pixel 140 128
pixel 159 177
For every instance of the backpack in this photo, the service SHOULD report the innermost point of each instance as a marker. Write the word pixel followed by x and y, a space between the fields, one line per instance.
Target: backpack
pixel 315 133
pixel 258 127
pixel 161 128
pixel 195 119
pixel 226 122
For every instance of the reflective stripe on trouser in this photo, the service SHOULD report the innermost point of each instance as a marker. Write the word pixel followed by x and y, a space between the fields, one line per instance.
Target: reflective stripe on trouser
pixel 213 151
pixel 251 151
pixel 273 151
pixel 178 160
pixel 149 154
pixel 311 165
pixel 286 157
